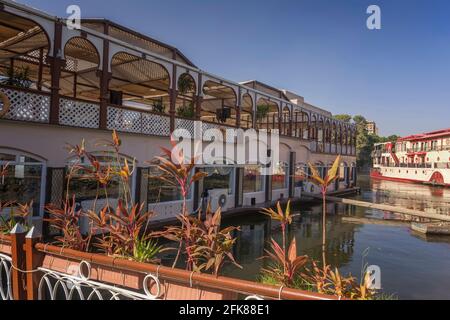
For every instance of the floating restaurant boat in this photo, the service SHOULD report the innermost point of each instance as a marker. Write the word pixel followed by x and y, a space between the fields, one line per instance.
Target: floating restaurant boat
pixel 421 158
pixel 83 83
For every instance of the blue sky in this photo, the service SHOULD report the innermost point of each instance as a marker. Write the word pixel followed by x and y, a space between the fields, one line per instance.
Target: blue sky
pixel 321 49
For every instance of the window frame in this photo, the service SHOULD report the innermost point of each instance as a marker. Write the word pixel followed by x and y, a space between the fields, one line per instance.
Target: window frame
pixel 39 162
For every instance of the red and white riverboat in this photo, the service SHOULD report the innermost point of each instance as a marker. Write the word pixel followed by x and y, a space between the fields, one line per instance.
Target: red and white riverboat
pixel 421 158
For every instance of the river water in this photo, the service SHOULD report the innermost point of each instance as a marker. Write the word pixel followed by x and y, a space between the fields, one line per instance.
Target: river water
pixel 413 266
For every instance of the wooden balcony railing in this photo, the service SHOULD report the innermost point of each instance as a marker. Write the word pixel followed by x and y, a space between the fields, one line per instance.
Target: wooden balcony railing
pixel 79 113
pixel 27 104
pixel 136 121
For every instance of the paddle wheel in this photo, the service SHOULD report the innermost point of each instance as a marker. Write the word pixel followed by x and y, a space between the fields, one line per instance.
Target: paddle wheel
pixel 437 179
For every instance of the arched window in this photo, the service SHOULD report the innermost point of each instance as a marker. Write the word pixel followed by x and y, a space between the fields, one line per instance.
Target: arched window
pixel 23 53
pixel 79 77
pixel 24 179
pixel 247 111
pixel 267 114
pixel 186 98
pixel 285 121
pixel 219 104
pixel 139 84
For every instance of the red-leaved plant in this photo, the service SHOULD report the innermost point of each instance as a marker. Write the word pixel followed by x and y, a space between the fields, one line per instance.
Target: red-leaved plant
pixel 177 171
pixel 206 245
pixel 67 220
pixel 284 263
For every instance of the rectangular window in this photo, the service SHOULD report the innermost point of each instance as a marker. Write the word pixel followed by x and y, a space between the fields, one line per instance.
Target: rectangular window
pixel 159 190
pixel 22 181
pixel 88 189
pixel 279 180
pixel 253 180
pixel 300 175
pixel 22 184
pixel 85 187
pixel 218 178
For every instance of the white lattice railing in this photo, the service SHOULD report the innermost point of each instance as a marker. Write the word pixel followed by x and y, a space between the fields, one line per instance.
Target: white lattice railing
pixel 78 113
pixel 185 124
pixel 225 133
pixel 27 105
pixel 55 285
pixel 5 278
pixel 209 135
pixel 138 122
pixel 155 124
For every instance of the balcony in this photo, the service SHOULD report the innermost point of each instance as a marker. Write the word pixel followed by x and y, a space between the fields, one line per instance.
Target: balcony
pixel 35 106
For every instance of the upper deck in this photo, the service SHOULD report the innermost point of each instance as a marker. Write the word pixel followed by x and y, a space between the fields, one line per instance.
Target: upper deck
pixel 105 76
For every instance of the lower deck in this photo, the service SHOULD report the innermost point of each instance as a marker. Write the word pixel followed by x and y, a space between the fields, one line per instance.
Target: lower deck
pixel 38 164
pixel 414 174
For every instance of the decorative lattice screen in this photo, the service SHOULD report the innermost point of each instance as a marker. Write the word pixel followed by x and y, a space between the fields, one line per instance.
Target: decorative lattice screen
pixel 27 106
pixel 78 113
pixel 138 122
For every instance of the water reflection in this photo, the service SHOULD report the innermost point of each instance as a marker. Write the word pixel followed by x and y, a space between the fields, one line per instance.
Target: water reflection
pixel 412 196
pixel 413 266
pixel 306 228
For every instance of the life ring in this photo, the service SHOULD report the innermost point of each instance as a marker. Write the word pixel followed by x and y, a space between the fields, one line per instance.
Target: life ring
pixel 5 103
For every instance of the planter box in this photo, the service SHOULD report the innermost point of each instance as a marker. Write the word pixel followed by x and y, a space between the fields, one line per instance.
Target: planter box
pixel 134 280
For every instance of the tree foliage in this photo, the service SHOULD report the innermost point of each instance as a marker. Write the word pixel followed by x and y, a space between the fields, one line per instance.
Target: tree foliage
pixel 343 117
pixel 364 141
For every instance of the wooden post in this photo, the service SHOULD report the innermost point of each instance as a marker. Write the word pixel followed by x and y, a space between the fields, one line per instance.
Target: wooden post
pixel 238 109
pixel 199 98
pixel 75 80
pixel 280 119
pixel 56 62
pixel 198 107
pixel 238 117
pixel 105 77
pixel 33 260
pixel 18 262
pixel 173 93
pixel 41 69
pixel 173 99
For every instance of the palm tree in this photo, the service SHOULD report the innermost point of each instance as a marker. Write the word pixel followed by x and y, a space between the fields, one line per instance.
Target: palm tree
pixel 323 184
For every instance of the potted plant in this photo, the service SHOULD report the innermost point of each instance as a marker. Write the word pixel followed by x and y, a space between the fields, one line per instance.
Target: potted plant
pixel 19 78
pixel 158 106
pixel 261 111
pixel 186 111
pixel 185 84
